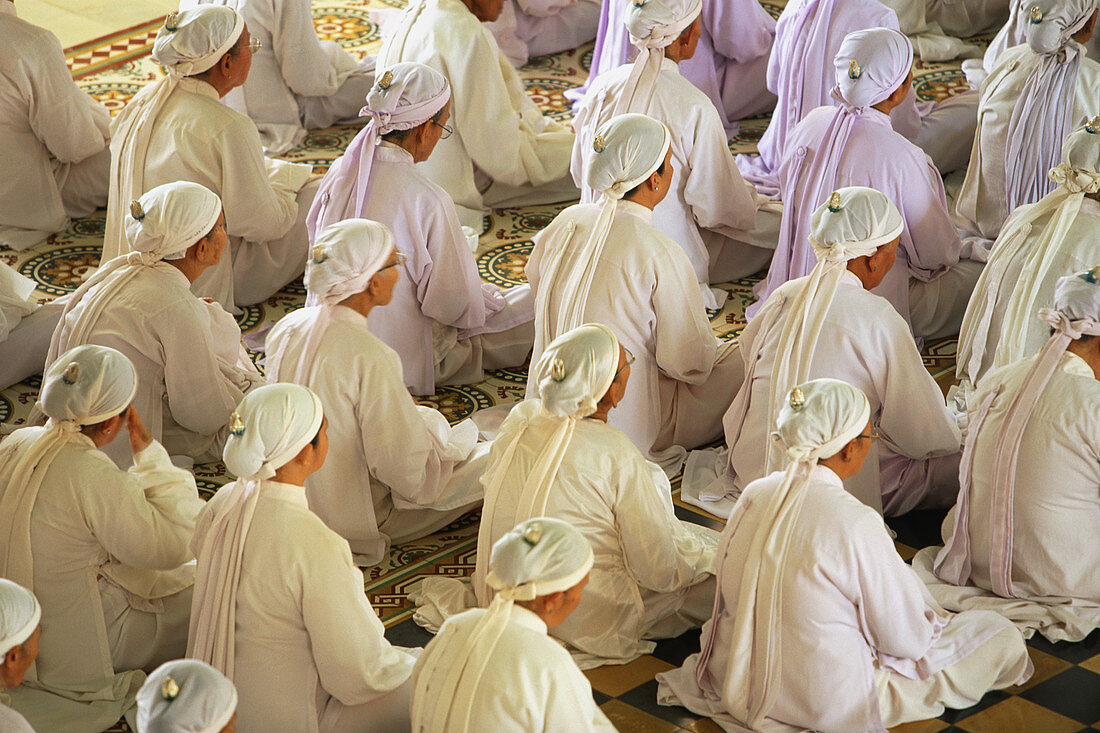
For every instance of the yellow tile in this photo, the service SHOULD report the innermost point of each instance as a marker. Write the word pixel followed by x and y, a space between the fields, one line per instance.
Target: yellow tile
pixel 704 725
pixel 615 679
pixel 1092 665
pixel 919 726
pixel 1018 714
pixel 1046 666
pixel 625 717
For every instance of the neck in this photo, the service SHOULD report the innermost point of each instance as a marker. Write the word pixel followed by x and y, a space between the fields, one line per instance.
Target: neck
pixel 291 474
pixel 221 85
pixel 188 266
pixel 361 303
pixel 601 412
pixel 643 197
pixel 674 52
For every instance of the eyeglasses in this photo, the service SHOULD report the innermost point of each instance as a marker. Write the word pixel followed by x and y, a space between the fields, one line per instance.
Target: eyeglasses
pixel 629 361
pixel 401 259
pixel 254 45
pixel 873 435
pixel 447 131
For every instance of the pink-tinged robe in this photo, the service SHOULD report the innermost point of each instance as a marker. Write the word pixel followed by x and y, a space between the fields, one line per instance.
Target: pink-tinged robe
pixel 530 28
pixel 861 645
pixel 1047 524
pixel 729 65
pixel 878 157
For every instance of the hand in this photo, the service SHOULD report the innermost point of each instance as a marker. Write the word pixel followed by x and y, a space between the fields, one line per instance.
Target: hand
pixel 211 301
pixel 139 434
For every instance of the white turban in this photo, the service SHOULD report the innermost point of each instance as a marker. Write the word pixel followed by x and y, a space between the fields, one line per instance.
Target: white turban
pixel 1043 114
pixel 1076 313
pixel 85 386
pixel 538 557
pixel 627 150
pixel 189 43
pixel 271 426
pixel 870 66
pixel 185 696
pixel 653 25
pixel 819 418
pixel 174 216
pixel 406 95
pixel 853 222
pixel 1078 175
pixel 19 615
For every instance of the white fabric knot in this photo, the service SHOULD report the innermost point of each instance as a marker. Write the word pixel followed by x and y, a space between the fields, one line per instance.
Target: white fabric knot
pixel 1074 180
pixel 1074 329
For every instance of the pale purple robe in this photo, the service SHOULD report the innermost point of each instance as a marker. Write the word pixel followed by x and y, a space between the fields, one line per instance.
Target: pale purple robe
pixel 729 65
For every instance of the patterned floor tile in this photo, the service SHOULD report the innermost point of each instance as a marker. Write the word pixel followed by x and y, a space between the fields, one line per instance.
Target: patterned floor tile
pixel 614 680
pixel 626 717
pixel 1017 714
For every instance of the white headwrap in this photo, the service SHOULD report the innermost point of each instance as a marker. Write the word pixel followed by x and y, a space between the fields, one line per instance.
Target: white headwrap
pixel 573 374
pixel 853 222
pixel 189 43
pixel 271 426
pixel 818 419
pixel 1043 113
pixel 653 25
pixel 1076 313
pixel 347 255
pixel 85 386
pixel 538 557
pixel 185 696
pixel 627 150
pixel 407 95
pixel 1077 176
pixel 161 225
pixel 19 615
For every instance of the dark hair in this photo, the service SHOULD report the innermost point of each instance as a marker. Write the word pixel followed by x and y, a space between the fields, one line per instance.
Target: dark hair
pixel 637 188
pixel 317 438
pixel 399 136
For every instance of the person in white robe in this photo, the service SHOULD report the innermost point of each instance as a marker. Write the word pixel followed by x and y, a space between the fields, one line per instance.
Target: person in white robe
pixel 937 27
pixel 529 28
pixel 853 144
pixel 176 129
pixel 606 263
pixel 445 324
pixel 496 669
pixel 279 606
pixel 104 550
pixel 187 696
pixel 25 327
pixel 555 456
pixel 397 471
pixel 1038 93
pixel 20 631
pixel 818 623
pixel 51 132
pixel 297 81
pixel 727 230
pixel 1021 539
pixel 503 150
pixel 192 368
pixel 1038 244
pixel 828 325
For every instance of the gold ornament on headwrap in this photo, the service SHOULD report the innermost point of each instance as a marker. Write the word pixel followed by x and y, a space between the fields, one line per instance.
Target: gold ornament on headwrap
pixel 854 72
pixel 834 204
pixel 557 370
pixel 72 373
pixel 599 144
pixel 236 425
pixel 319 255
pixel 171 22
pixel 137 211
pixel 169 689
pixel 1092 127
pixel 386 80
pixel 1035 17
pixel 796 399
pixel 532 533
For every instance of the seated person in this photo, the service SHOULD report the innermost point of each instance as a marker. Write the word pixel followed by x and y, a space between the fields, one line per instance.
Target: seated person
pixel 652 577
pixel 192 369
pixel 712 213
pixel 25 327
pixel 1038 244
pixel 187 696
pixel 496 669
pixel 397 471
pixel 297 81
pixel 51 132
pixel 855 235
pixel 808 35
pixel 19 633
pixel 504 151
pixel 105 551
pixel 606 263
pixel 818 622
pixel 279 607
pixel 444 322
pixel 853 144
pixel 730 65
pixel 176 130
pixel 937 28
pixel 1037 94
pixel 1013 33
pixel 527 29
pixel 1022 538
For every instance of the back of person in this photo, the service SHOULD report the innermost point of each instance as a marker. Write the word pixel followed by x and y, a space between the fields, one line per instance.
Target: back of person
pixel 1056 495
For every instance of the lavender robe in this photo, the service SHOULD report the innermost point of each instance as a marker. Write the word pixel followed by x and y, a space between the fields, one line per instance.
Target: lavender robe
pixel 729 65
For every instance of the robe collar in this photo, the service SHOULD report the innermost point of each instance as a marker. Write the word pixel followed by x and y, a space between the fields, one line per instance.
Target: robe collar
pixel 198 86
pixel 289 493
pixel 390 151
pixel 349 315
pixel 824 475
pixel 849 278
pixel 528 619
pixel 1075 366
pixel 622 206
pixel 873 115
pixel 7 8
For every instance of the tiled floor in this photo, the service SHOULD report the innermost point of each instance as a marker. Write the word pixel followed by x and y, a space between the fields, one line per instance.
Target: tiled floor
pixel 107 44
